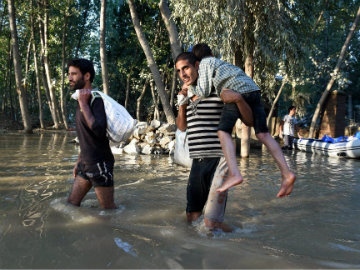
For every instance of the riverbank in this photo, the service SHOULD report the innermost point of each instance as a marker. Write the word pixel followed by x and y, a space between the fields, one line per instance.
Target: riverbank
pixel 7 124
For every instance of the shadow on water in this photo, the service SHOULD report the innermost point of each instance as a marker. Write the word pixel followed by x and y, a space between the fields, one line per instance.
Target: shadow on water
pixel 316 227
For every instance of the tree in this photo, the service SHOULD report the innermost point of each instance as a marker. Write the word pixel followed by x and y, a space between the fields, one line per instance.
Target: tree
pixel 171 28
pixel 333 75
pixel 104 70
pixel 44 38
pixel 17 66
pixel 36 67
pixel 256 35
pixel 152 64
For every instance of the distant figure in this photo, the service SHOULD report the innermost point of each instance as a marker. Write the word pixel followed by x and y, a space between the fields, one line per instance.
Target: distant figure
pixel 95 163
pixel 288 127
pixel 223 76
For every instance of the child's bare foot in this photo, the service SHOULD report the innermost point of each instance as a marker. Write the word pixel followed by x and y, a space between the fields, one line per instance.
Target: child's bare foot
pixel 230 182
pixel 287 185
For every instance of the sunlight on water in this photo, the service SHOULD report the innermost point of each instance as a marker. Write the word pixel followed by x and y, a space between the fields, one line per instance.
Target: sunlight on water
pixel 315 227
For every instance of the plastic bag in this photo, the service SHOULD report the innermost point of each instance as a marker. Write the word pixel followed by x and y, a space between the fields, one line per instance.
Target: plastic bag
pixel 181 152
pixel 120 124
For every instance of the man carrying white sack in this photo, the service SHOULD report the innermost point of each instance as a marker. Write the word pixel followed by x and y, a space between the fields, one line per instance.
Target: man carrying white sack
pixel 95 164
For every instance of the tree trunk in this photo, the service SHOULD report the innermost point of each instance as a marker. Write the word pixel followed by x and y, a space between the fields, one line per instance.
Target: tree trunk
pixel 173 88
pixel 9 82
pixel 27 65
pixel 37 75
pixel 63 52
pixel 46 89
pixel 41 116
pixel 45 52
pixel 127 90
pixel 171 28
pixel 138 101
pixel 156 107
pixel 82 28
pixel 275 102
pixel 151 62
pixel 333 75
pixel 17 66
pixel 104 70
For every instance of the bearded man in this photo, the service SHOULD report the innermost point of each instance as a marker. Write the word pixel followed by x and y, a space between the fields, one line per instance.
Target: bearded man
pixel 94 167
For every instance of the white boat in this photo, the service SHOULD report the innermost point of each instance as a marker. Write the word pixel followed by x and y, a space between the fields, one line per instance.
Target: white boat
pixel 349 148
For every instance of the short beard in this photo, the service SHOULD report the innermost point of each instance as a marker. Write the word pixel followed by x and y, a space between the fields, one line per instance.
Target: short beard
pixel 78 85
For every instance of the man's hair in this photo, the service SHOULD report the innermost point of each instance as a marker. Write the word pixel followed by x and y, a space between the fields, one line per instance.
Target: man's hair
pixel 201 50
pixel 84 65
pixel 186 56
pixel 291 108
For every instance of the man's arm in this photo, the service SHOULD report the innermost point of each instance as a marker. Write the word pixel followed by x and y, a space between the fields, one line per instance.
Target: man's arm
pixel 95 116
pixel 230 96
pixel 281 127
pixel 181 118
pixel 84 102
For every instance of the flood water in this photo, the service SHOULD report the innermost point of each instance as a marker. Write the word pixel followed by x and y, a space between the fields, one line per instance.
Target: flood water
pixel 318 226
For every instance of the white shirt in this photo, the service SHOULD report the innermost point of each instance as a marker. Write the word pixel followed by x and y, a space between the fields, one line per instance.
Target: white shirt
pixel 289 125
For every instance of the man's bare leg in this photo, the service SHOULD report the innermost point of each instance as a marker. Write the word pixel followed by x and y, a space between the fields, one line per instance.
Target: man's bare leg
pixel 234 176
pixel 105 196
pixel 230 96
pixel 211 225
pixel 79 189
pixel 288 177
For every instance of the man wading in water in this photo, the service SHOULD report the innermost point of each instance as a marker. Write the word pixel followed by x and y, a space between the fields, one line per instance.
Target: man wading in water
pixel 201 119
pixel 96 161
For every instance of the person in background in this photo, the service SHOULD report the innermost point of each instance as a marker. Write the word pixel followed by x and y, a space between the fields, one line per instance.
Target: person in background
pixel 94 167
pixel 288 127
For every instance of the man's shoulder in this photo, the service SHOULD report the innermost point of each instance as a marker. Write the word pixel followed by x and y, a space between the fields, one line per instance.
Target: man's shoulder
pixel 287 116
pixel 95 94
pixel 96 97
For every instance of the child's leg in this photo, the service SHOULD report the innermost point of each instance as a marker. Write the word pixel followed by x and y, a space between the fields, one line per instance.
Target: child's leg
pixel 288 177
pixel 230 96
pixel 234 176
pixel 227 121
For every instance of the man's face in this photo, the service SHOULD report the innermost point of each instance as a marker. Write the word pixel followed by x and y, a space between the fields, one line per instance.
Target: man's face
pixel 76 79
pixel 292 112
pixel 187 72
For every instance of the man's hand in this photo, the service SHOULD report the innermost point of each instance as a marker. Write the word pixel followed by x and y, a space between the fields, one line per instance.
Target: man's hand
pixel 183 90
pixel 84 97
pixel 230 96
pixel 75 170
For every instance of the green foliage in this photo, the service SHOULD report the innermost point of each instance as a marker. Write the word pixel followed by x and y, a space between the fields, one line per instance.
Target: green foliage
pixel 299 40
pixel 286 38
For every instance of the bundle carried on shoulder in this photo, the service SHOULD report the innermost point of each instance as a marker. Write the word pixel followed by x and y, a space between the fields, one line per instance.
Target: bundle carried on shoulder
pixel 120 124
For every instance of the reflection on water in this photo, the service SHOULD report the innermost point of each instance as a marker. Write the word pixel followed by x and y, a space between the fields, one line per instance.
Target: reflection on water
pixel 316 227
